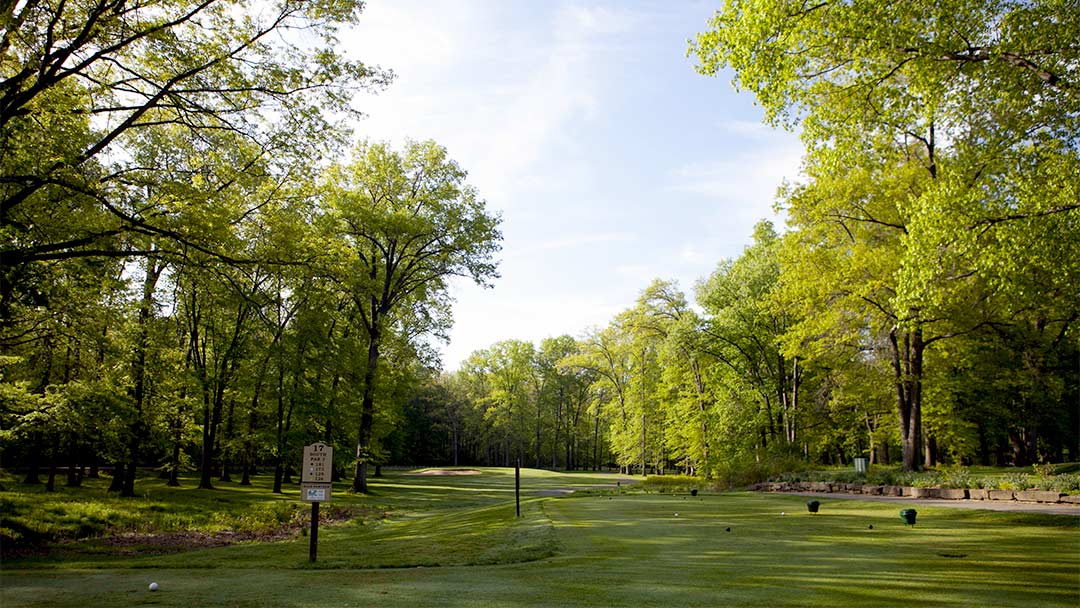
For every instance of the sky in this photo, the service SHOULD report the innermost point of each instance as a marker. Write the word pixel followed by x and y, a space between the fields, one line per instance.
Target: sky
pixel 584 125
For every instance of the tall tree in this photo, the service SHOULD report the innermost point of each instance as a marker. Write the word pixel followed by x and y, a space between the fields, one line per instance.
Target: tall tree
pixel 407 222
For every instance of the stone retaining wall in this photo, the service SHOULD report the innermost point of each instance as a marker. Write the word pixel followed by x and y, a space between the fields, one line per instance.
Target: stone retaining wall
pixel 940 493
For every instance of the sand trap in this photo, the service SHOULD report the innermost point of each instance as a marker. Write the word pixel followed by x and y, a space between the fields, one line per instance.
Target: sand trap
pixel 446 472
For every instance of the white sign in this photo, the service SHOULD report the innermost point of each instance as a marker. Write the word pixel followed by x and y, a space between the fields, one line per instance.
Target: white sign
pixel 318 463
pixel 315 494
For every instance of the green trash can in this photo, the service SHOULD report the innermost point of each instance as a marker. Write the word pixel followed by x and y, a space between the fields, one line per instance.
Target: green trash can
pixel 908 515
pixel 812 506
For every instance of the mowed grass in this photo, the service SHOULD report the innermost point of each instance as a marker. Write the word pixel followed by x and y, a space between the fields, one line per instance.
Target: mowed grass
pixel 454 541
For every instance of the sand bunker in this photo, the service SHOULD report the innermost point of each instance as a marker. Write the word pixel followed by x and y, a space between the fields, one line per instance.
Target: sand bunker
pixel 445 472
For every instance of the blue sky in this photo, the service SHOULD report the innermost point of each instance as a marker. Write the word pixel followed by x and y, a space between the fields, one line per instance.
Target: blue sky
pixel 585 125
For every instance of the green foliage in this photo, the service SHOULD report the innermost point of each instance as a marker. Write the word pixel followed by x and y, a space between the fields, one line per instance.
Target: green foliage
pixel 958 477
pixel 935 195
pixel 671 484
pixel 1066 483
pixel 1015 481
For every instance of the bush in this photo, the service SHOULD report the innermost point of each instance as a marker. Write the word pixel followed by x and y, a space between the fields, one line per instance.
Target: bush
pixel 748 472
pixel 958 477
pixel 1015 481
pixel 671 484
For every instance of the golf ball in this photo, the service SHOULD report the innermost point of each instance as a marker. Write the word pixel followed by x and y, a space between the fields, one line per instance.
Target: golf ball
pixel 153 586
pixel 782 513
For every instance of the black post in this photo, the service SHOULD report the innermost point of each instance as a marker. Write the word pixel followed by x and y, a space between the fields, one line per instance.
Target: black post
pixel 314 531
pixel 517 486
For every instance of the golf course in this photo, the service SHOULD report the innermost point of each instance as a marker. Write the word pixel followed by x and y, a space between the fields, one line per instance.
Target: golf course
pixel 452 538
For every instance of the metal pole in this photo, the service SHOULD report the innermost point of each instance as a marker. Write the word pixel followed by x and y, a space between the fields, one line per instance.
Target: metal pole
pixel 314 531
pixel 517 486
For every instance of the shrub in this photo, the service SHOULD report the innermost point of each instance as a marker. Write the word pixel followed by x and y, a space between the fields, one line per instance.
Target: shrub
pixel 748 472
pixel 1015 481
pixel 671 484
pixel 958 477
pixel 931 479
pixel 1066 484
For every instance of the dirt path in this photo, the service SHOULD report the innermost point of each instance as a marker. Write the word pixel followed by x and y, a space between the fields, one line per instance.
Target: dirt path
pixel 989 505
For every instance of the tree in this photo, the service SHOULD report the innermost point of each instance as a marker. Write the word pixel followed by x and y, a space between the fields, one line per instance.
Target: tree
pixel 951 109
pixel 82 84
pixel 407 222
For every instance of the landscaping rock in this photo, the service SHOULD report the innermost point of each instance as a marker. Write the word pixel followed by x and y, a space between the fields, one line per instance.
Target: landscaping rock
pixel 1001 495
pixel 1038 496
pixel 1072 499
pixel 952 493
pixel 978 494
pixel 892 491
pixel 907 491
pixel 872 490
pixel 926 493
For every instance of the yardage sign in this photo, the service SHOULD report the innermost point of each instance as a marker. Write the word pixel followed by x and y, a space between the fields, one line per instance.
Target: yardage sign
pixel 315 479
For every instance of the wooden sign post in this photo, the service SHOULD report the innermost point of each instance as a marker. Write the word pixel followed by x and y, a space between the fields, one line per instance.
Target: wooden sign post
pixel 316 485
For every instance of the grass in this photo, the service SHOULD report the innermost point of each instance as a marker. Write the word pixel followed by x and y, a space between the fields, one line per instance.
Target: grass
pixel 454 541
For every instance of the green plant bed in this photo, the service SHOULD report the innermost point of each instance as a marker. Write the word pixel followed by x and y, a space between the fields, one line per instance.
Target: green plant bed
pixel 1041 477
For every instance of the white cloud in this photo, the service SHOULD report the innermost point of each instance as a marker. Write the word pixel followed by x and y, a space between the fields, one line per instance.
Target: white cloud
pixel 749 179
pixel 524 316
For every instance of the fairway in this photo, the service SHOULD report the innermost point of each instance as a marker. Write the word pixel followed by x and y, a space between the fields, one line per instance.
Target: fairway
pixel 598 548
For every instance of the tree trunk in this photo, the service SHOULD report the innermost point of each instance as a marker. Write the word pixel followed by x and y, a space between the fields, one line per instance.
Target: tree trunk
pixel 596 441
pixel 367 403
pixel 793 414
pixel 930 457
pixel 226 453
pixel 54 454
pixel 174 460
pixel 907 371
pixel 538 419
pixel 33 476
pixel 138 391
pixel 206 466
pixel 117 483
pixel 74 471
pixel 699 388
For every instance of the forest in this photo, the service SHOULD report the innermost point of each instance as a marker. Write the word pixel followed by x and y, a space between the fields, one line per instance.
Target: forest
pixel 202 270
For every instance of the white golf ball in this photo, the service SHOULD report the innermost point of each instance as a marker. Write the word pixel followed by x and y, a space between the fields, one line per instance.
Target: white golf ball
pixel 153 586
pixel 782 513
pixel 676 515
